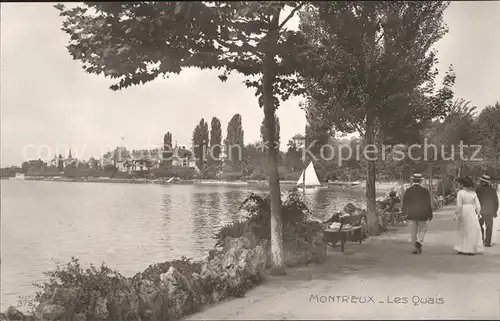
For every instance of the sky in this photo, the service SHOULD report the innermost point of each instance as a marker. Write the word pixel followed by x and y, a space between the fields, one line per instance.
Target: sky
pixel 49 104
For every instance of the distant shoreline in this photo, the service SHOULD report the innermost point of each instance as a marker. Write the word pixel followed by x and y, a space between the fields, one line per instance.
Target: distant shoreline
pixel 103 180
pixel 162 181
pixel 380 186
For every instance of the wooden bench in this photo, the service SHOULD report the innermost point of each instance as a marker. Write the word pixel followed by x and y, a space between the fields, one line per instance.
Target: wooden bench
pixel 333 235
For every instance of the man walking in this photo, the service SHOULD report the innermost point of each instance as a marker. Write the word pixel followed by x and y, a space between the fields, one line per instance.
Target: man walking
pixel 418 210
pixel 488 199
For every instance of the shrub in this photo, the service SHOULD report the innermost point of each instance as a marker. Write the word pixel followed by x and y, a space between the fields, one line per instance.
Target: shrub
pixel 231 166
pixel 70 171
pixel 259 176
pixel 232 176
pixel 164 291
pixel 162 171
pixel 110 168
pixel 210 172
pixel 447 186
pixel 282 172
pixel 294 176
pixel 331 175
pixel 169 171
pixel 120 174
pixel 184 172
pixel 302 239
pixel 139 174
pixel 258 220
pixel 234 229
pixel 77 290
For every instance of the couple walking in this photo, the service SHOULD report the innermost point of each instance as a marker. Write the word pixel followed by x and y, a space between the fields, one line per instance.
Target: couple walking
pixel 474 209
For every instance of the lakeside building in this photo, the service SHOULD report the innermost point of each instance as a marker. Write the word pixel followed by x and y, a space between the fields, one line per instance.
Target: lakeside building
pixel 139 160
pixel 183 157
pixel 62 162
pixel 94 163
pixel 54 162
pixel 299 140
pixel 70 160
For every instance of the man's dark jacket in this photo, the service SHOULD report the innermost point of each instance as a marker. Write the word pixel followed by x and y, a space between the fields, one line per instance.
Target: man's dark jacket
pixel 417 203
pixel 488 199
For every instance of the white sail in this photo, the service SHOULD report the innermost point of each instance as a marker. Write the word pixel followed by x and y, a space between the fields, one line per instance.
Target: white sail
pixel 311 177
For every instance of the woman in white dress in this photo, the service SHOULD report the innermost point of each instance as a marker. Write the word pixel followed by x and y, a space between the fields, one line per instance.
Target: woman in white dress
pixel 469 238
pixel 495 236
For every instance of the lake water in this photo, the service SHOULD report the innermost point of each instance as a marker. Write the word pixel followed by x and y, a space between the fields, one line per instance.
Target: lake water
pixel 128 226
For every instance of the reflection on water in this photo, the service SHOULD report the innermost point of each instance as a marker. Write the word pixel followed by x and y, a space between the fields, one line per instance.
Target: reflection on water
pixel 127 226
pixel 214 201
pixel 200 211
pixel 166 206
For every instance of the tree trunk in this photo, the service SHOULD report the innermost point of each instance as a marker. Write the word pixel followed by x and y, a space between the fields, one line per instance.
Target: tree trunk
pixel 272 166
pixel 371 206
pixel 443 180
pixel 430 181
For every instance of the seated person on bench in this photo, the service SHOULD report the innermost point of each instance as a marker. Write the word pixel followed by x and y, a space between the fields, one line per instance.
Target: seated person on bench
pixel 392 200
pixel 441 200
pixel 349 209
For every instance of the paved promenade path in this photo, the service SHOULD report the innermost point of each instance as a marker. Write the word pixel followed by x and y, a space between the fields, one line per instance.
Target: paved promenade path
pixel 384 274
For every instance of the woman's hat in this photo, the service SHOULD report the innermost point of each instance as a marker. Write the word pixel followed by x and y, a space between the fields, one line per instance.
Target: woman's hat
pixel 417 177
pixel 465 181
pixel 485 178
pixel 349 208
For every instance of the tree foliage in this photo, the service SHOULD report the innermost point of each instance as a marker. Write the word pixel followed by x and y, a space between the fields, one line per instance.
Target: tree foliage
pixel 167 140
pixel 459 123
pixel 200 142
pixel 277 131
pixel 60 163
pixel 358 50
pixel 167 147
pixel 215 137
pixel 293 156
pixel 255 158
pixel 135 43
pixel 371 71
pixel 234 139
pixel 488 135
pixel 235 134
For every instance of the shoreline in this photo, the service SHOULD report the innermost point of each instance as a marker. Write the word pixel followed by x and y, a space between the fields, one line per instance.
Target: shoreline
pixel 380 186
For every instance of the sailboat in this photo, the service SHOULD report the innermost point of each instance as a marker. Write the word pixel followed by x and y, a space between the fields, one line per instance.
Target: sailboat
pixel 311 178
